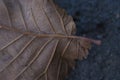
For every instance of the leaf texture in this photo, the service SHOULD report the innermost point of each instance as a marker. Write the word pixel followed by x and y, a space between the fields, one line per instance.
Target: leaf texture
pixel 37 41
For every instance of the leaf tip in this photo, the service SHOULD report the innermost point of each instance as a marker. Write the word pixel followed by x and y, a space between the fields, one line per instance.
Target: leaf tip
pixel 97 42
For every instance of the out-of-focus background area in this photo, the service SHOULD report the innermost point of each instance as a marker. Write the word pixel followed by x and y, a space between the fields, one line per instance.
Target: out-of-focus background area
pixel 97 19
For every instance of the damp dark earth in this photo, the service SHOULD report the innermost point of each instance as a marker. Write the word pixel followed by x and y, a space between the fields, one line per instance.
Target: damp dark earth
pixel 97 19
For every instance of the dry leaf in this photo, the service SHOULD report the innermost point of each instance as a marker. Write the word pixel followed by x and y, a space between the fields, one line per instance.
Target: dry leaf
pixel 37 41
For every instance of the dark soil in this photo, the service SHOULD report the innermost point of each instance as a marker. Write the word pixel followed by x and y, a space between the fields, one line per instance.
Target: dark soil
pixel 97 19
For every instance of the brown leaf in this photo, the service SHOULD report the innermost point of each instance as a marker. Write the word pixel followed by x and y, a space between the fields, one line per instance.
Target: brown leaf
pixel 37 41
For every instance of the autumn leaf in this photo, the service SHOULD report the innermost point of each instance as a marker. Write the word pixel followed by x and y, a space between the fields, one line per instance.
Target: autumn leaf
pixel 37 41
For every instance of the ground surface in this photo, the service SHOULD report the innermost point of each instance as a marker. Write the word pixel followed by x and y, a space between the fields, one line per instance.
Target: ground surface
pixel 98 19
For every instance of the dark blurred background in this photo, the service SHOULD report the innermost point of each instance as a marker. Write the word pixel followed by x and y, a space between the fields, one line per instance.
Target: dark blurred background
pixel 97 19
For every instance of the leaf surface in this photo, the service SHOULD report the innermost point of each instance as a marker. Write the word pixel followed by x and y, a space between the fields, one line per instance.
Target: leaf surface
pixel 37 41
